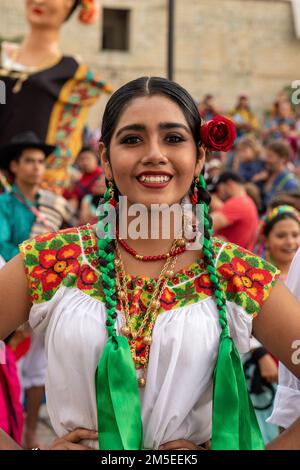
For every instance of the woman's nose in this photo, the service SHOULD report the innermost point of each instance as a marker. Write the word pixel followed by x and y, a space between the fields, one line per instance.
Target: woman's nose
pixel 154 154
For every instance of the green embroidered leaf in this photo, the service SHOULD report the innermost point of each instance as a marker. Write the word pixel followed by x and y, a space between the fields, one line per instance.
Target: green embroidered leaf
pixel 69 280
pixel 55 244
pixel 40 246
pixel 96 294
pixel 225 258
pixel 47 295
pixel 70 237
pixel 230 296
pixel 237 253
pixel 250 305
pixel 240 299
pixel 254 262
pixel 31 260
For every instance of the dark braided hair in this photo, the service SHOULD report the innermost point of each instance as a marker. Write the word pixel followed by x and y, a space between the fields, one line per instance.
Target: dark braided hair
pixel 106 249
pixel 208 252
pixel 141 87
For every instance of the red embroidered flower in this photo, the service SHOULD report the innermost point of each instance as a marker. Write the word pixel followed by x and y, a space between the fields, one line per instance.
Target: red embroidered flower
pixel 54 265
pixel 242 277
pixel 203 284
pixel 190 273
pixel 168 299
pixel 87 277
pixel 86 238
pixel 149 287
pixel 218 134
pixel 139 282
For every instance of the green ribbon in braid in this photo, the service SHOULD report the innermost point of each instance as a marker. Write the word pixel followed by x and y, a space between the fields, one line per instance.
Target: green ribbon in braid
pixel 234 424
pixel 117 395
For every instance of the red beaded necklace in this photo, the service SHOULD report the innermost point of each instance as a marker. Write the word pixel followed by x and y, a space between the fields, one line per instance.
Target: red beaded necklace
pixel 131 251
pixel 181 248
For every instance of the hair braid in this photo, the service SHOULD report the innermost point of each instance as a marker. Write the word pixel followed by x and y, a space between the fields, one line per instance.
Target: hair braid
pixel 106 250
pixel 208 253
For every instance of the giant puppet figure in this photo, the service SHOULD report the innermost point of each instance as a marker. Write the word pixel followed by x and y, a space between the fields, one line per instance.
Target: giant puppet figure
pixel 47 92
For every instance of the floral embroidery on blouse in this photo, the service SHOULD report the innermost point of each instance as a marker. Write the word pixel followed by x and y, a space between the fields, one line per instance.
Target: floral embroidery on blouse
pixel 57 259
pixel 69 258
pixel 246 278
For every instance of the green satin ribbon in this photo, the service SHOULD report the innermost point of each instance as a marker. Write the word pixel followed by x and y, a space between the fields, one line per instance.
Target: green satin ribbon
pixel 118 401
pixel 234 424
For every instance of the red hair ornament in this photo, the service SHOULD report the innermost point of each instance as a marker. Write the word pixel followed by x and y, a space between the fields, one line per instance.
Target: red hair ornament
pixel 218 134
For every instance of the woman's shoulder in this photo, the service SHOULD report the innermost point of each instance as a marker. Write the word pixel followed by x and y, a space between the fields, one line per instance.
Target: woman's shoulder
pixel 246 278
pixel 64 258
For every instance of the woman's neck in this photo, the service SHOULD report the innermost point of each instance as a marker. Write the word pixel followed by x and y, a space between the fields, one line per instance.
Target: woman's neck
pixel 151 234
pixel 39 45
pixel 283 267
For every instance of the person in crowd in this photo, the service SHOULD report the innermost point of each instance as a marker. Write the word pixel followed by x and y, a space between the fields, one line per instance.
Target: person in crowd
pixel 56 88
pixel 133 312
pixel 90 170
pixel 253 192
pixel 213 169
pixel 280 237
pixel 292 198
pixel 236 218
pixel 25 212
pixel 90 202
pixel 281 118
pixel 279 178
pixel 248 161
pixel 208 108
pixel 243 117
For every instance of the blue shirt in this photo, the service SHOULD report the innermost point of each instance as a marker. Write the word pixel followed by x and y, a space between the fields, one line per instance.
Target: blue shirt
pixel 16 220
pixel 249 169
pixel 284 182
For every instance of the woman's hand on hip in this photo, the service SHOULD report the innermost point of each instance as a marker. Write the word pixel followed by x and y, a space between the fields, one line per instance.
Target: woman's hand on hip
pixel 72 440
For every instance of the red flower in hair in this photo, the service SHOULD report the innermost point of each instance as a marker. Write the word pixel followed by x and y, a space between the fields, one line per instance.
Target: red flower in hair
pixel 218 134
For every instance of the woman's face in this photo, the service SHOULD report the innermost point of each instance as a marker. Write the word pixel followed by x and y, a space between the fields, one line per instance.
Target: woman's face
pixel 153 157
pixel 283 241
pixel 48 13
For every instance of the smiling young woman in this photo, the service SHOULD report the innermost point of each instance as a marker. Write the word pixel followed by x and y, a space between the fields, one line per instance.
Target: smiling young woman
pixel 281 237
pixel 163 336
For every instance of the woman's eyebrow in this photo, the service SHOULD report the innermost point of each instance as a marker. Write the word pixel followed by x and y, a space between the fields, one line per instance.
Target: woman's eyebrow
pixel 131 127
pixel 172 125
pixel 162 125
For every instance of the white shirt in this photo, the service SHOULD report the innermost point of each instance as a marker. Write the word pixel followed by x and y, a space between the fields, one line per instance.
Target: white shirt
pixel 176 402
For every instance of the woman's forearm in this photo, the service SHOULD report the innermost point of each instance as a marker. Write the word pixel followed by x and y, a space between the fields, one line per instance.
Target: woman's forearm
pixel 7 443
pixel 288 440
